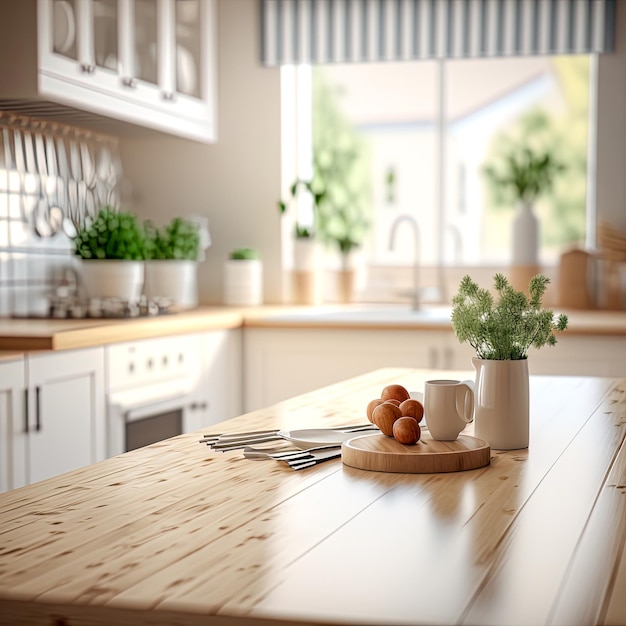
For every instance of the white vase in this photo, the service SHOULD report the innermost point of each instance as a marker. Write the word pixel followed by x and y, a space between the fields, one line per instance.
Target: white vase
pixel 108 278
pixel 525 236
pixel 502 401
pixel 174 279
pixel 305 254
pixel 243 282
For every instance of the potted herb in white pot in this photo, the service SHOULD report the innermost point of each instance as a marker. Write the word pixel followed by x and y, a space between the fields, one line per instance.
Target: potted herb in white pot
pixel 307 284
pixel 172 254
pixel 111 249
pixel 243 278
pixel 520 175
pixel 502 330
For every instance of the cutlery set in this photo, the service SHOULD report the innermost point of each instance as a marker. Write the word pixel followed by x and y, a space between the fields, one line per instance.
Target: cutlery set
pixel 296 458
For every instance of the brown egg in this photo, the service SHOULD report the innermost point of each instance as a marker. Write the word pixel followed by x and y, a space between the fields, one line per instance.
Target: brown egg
pixel 392 401
pixel 397 392
pixel 372 404
pixel 406 430
pixel 384 416
pixel 412 408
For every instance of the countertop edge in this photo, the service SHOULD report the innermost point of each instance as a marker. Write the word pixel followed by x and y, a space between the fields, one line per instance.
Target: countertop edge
pixel 27 335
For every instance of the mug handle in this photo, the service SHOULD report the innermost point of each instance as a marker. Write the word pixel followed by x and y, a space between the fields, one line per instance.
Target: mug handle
pixel 465 400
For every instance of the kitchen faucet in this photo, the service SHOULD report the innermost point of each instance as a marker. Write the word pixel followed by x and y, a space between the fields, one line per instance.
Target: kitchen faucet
pixel 392 236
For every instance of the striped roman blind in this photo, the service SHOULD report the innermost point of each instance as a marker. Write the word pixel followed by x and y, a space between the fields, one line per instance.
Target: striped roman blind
pixel 345 31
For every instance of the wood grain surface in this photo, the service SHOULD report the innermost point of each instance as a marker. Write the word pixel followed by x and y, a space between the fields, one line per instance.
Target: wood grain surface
pixel 429 456
pixel 175 534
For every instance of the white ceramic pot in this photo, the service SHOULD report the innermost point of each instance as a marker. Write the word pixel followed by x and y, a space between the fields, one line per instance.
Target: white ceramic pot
pixel 243 282
pixel 525 236
pixel 174 279
pixel 112 278
pixel 502 402
pixel 305 254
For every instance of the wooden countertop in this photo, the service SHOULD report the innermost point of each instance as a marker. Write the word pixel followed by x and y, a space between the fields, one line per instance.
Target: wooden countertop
pixel 65 334
pixel 49 334
pixel 177 534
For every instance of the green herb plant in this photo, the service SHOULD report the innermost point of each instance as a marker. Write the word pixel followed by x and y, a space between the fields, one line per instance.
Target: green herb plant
pixel 178 240
pixel 111 235
pixel 525 173
pixel 244 254
pixel 504 327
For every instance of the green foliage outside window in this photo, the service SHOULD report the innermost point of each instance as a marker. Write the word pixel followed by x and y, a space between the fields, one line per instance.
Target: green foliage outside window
pixel 561 203
pixel 340 186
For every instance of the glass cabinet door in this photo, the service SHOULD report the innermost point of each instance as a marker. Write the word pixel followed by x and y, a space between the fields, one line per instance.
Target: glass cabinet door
pixel 105 34
pixel 64 14
pixel 188 51
pixel 146 57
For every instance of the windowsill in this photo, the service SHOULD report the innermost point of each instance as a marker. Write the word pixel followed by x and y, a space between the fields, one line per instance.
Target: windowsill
pixel 394 285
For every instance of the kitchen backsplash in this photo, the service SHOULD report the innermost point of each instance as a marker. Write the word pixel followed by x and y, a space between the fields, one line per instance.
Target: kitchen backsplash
pixel 52 177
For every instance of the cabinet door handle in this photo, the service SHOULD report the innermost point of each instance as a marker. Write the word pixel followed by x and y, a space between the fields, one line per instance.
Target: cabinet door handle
pixel 167 95
pixel 129 82
pixel 87 68
pixel 37 408
pixel 26 411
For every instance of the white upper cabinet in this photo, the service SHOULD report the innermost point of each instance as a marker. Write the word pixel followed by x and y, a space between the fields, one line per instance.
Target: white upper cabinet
pixel 147 62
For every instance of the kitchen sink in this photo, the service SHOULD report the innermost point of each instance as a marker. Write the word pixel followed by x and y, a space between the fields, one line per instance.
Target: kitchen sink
pixel 370 314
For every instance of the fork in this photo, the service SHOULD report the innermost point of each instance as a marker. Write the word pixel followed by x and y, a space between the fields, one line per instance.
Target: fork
pixel 301 459
pixel 283 454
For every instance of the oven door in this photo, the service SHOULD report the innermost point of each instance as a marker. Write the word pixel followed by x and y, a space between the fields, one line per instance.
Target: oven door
pixel 141 416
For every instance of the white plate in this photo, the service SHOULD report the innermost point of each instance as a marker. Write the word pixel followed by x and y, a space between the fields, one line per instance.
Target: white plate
pixel 417 395
pixel 64 26
pixel 313 437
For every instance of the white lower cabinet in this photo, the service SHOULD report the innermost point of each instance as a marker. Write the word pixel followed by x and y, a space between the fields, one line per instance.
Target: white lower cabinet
pixel 65 412
pixel 218 394
pixel 12 430
pixel 578 355
pixel 51 415
pixel 281 363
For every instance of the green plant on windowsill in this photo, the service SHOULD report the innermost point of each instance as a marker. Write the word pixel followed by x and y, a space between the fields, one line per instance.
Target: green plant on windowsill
pixel 110 235
pixel 523 173
pixel 178 240
pixel 244 254
pixel 504 327
pixel 302 231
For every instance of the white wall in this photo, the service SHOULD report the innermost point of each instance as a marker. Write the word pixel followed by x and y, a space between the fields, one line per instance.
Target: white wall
pixel 234 182
pixel 611 130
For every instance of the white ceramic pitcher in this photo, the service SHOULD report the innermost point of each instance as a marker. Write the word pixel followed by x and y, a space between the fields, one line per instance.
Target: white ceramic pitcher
pixel 501 393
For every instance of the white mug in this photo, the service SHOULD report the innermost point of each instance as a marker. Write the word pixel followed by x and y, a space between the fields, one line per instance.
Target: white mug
pixel 448 407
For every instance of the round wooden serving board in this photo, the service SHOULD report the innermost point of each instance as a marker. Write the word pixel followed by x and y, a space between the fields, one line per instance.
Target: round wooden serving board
pixel 428 456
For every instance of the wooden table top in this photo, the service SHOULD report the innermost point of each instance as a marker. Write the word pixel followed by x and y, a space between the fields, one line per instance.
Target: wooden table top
pixel 178 534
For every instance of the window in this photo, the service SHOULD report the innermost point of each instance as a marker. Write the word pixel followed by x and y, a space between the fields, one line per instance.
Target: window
pixel 431 127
